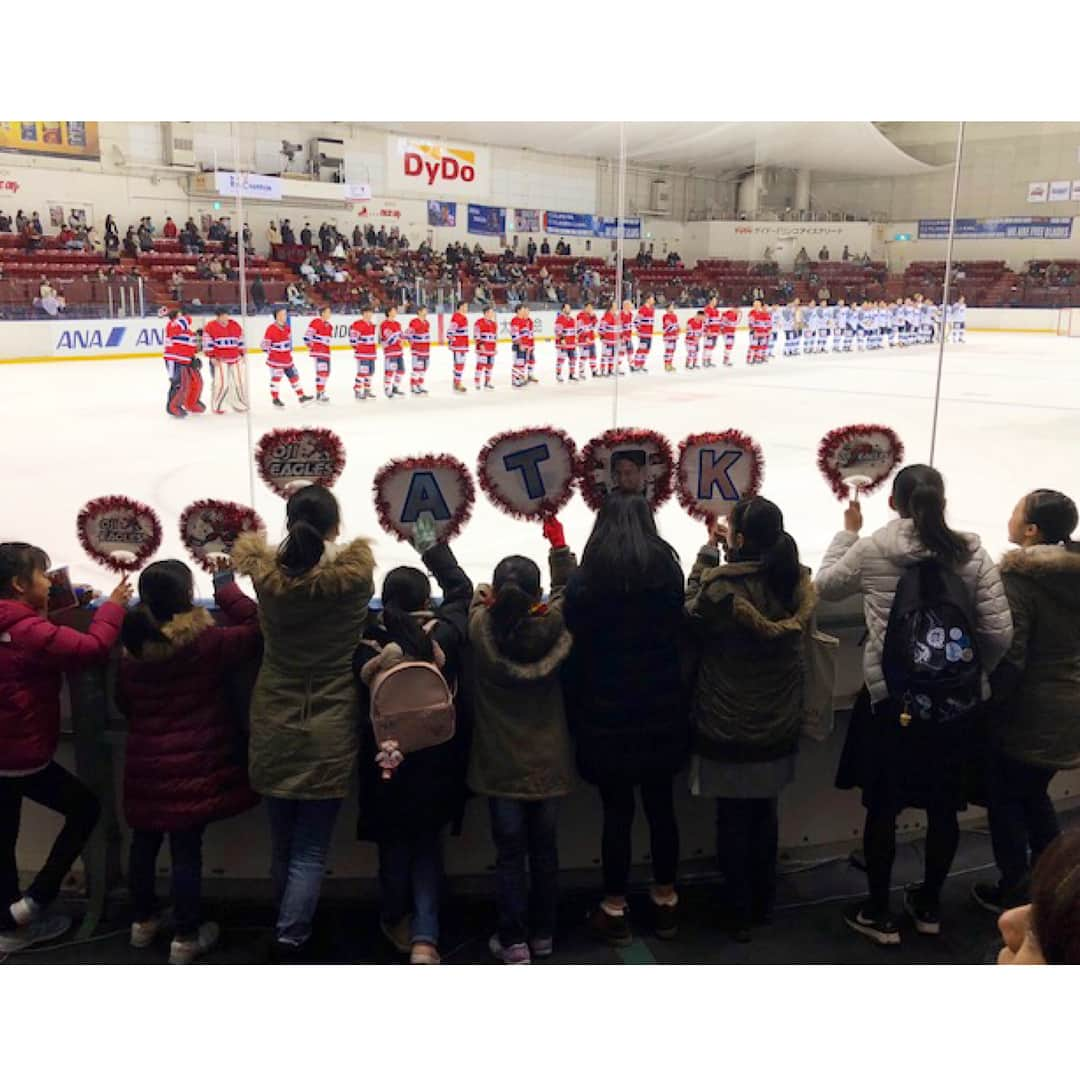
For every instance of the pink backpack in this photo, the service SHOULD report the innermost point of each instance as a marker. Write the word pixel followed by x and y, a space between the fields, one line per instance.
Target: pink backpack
pixel 411 702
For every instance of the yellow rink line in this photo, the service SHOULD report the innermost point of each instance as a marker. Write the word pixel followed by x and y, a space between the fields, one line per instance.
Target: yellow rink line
pixel 502 341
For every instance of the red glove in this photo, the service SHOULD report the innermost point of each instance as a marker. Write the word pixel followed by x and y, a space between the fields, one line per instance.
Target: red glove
pixel 554 532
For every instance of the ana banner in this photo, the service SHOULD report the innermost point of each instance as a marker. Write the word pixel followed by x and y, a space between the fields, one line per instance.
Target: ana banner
pixel 629 459
pixel 210 527
pixel 528 473
pixel 118 532
pixel 527 220
pixel 859 458
pixel 56 138
pixel 486 220
pixel 419 166
pixel 1009 228
pixel 290 458
pixel 716 470
pixel 437 483
pixel 442 215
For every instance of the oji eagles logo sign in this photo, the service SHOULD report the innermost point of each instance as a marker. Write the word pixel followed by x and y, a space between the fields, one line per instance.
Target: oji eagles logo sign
pixel 290 458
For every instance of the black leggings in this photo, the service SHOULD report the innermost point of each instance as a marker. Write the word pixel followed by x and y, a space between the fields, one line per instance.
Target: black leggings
pixel 55 788
pixel 879 847
pixel 746 847
pixel 658 799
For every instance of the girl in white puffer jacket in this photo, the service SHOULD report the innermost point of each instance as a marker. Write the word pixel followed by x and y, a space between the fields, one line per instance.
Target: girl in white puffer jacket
pixel 921 765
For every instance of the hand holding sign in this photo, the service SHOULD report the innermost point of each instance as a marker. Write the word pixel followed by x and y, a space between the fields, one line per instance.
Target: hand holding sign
pixel 290 458
pixel 119 532
pixel 436 484
pixel 528 473
pixel 209 529
pixel 716 470
pixel 859 458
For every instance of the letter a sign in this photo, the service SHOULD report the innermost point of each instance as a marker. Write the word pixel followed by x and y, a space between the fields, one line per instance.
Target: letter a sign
pixel 716 470
pixel 436 484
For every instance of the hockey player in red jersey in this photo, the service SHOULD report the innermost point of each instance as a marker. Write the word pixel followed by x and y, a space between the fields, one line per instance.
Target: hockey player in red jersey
pixel 521 344
pixel 182 365
pixel 626 337
pixel 223 343
pixel 458 339
pixel 711 314
pixel 695 327
pixel 609 340
pixel 760 324
pixel 362 337
pixel 565 343
pixel 586 341
pixel 643 324
pixel 277 344
pixel 486 333
pixel 418 334
pixel 319 336
pixel 729 321
pixel 671 336
pixel 393 353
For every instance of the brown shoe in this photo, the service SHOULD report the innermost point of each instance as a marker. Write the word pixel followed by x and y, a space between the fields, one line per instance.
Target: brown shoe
pixel 614 929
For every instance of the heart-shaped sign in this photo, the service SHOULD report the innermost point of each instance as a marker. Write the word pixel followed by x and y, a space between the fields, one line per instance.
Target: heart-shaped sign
pixel 211 526
pixel 629 459
pixel 528 473
pixel 859 458
pixel 290 458
pixel 119 532
pixel 436 483
pixel 716 470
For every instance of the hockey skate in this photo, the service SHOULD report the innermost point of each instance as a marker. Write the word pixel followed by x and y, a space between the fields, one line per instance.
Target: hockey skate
pixel 459 389
pixel 305 399
pixel 322 399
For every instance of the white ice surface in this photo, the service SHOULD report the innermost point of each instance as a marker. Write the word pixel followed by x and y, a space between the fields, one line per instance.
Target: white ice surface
pixel 1009 421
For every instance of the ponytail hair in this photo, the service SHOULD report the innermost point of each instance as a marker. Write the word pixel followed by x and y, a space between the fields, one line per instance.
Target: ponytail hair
pixel 166 589
pixel 517 589
pixel 405 591
pixel 1054 515
pixel 760 522
pixel 919 493
pixel 312 514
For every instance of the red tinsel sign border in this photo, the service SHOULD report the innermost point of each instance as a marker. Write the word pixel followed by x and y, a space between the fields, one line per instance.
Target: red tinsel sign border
pixel 426 461
pixel 834 438
pixel 548 506
pixel 612 440
pixel 288 436
pixel 736 438
pixel 243 517
pixel 105 504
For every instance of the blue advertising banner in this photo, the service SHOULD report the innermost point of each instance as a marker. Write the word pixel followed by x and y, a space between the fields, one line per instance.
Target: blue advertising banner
pixel 1008 228
pixel 441 214
pixel 564 224
pixel 487 220
pixel 608 228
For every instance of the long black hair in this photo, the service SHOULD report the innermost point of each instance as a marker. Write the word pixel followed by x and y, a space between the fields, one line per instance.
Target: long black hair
pixel 166 589
pixel 18 561
pixel 312 514
pixel 624 548
pixel 407 590
pixel 517 589
pixel 1054 515
pixel 1055 900
pixel 761 525
pixel 919 493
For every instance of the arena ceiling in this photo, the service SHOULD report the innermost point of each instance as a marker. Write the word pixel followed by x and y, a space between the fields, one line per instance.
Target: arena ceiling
pixel 852 148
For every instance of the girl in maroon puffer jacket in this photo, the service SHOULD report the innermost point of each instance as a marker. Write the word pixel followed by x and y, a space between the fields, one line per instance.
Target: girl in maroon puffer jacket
pixel 34 653
pixel 185 764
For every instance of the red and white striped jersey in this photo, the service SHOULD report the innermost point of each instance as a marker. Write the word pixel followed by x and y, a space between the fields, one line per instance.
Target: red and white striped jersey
pixel 760 321
pixel 644 321
pixel 729 321
pixel 626 322
pixel 565 331
pixel 695 326
pixel 521 332
pixel 180 344
pixel 224 343
pixel 486 332
pixel 390 336
pixel 671 325
pixel 457 335
pixel 712 320
pixel 609 328
pixel 419 336
pixel 277 344
pixel 362 337
pixel 318 337
pixel 586 327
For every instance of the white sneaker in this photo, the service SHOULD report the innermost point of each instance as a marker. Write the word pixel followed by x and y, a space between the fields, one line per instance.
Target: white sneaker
pixel 39 931
pixel 187 952
pixel 143 933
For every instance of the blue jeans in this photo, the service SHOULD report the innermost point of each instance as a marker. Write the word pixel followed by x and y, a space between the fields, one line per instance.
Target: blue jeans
pixel 526 899
pixel 300 834
pixel 410 879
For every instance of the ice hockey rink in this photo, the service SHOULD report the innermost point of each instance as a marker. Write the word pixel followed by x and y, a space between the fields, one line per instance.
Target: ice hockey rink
pixel 1009 421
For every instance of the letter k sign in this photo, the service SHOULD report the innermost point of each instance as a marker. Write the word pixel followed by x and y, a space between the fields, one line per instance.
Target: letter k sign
pixel 714 472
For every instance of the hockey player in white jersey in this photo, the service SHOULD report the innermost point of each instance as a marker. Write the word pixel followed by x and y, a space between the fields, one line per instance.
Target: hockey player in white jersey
pixel 786 322
pixel 957 321
pixel 827 315
pixel 774 330
pixel 808 339
pixel 839 325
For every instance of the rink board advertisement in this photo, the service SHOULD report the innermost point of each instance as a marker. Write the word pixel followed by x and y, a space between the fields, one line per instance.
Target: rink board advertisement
pixel 1009 228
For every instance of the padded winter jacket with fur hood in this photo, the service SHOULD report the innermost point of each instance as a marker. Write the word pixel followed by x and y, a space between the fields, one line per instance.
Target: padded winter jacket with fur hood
pixel 521 745
pixel 871 567
pixel 305 711
pixel 1038 718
